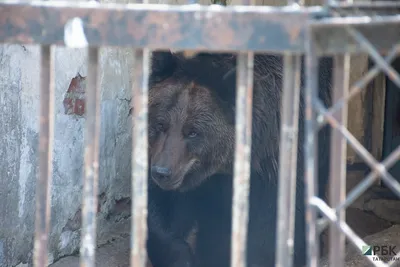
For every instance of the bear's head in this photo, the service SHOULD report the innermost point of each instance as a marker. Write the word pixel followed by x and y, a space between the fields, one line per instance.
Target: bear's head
pixel 191 118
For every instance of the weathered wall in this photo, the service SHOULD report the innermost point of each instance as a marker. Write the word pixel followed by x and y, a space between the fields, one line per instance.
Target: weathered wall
pixel 19 101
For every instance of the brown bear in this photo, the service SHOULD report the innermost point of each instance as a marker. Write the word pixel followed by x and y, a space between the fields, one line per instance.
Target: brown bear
pixel 191 148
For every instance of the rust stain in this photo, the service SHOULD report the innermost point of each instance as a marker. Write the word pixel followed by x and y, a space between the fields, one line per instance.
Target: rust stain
pixel 74 100
pixel 294 32
pixel 190 54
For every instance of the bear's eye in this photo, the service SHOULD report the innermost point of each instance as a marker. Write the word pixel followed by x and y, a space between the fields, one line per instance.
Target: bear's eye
pixel 192 134
pixel 160 127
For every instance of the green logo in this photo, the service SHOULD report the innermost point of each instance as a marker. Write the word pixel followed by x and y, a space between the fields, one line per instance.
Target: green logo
pixel 366 250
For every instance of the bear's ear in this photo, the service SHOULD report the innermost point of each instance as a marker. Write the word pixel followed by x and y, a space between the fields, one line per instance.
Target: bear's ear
pixel 163 64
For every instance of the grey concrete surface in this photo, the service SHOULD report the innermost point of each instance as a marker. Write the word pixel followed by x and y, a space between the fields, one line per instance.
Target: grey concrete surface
pixel 19 103
pixel 115 254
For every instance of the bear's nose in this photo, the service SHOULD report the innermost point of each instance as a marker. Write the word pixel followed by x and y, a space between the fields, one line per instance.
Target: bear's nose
pixel 160 173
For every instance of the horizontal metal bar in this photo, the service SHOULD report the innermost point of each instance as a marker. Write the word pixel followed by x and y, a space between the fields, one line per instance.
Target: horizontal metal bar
pixel 354 21
pixel 365 8
pixel 376 5
pixel 332 37
pixel 159 26
pixel 192 27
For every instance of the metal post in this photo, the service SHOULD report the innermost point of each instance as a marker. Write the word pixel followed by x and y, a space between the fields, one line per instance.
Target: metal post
pixel 91 171
pixel 310 151
pixel 139 158
pixel 288 161
pixel 338 159
pixel 138 257
pixel 240 203
pixel 43 183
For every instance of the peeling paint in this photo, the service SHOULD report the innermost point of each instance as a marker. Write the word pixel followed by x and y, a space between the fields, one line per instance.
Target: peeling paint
pixel 74 100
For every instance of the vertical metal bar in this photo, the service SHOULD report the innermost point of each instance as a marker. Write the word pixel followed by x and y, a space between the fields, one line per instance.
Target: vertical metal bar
pixel 338 159
pixel 240 203
pixel 310 150
pixel 293 167
pixel 139 158
pixel 241 180
pixel 141 58
pixel 288 161
pixel 43 183
pixel 91 171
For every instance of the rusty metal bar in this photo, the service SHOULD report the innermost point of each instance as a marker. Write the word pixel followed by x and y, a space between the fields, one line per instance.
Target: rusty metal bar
pixel 343 227
pixel 288 161
pixel 338 159
pixel 345 22
pixel 91 171
pixel 310 151
pixel 187 27
pixel 359 86
pixel 387 178
pixel 139 158
pixel 192 27
pixel 241 185
pixel 242 163
pixel 293 178
pixel 43 182
pixel 363 186
pixel 140 89
pixel 351 5
pixel 333 37
pixel 374 54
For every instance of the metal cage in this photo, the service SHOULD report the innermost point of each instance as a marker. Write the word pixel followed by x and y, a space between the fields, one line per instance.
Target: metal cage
pixel 337 29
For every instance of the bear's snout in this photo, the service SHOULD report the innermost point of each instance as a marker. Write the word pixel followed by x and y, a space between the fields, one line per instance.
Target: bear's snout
pixel 165 178
pixel 160 173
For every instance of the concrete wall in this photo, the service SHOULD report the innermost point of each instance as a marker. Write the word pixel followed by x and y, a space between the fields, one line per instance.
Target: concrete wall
pixel 19 102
